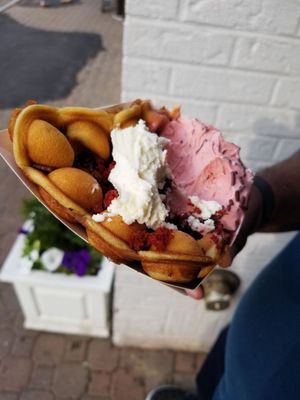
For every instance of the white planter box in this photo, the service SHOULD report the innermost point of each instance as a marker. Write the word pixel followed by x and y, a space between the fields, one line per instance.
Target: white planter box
pixel 61 303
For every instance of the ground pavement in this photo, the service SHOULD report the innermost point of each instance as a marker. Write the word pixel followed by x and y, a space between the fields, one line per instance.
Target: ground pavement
pixel 37 365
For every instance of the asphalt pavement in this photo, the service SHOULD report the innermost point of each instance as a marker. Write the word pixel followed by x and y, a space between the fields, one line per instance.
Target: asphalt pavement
pixel 41 64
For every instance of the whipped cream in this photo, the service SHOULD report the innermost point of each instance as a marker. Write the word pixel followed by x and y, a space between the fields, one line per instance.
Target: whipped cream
pixel 100 217
pixel 140 170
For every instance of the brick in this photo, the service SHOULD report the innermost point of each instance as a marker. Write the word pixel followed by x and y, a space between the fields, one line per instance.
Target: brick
pixel 124 383
pixel 178 43
pixel 200 358
pixel 185 380
pixel 9 396
pixel 146 75
pixel 287 94
pixel 6 340
pixel 36 395
pixel 66 398
pixel 70 380
pixel 14 374
pixel 256 147
pixel 152 322
pixel 267 16
pixel 75 349
pixel 209 84
pixel 204 110
pixel 19 328
pixel 259 120
pixel 7 318
pixel 152 367
pixel 8 297
pixel 255 166
pixel 184 362
pixel 41 377
pixel 153 9
pixel 286 148
pixel 99 384
pixel 48 349
pixel 23 345
pixel 19 324
pixel 102 356
pixel 2 237
pixel 264 54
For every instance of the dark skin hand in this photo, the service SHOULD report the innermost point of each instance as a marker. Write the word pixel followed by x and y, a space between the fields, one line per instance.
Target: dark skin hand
pixel 284 179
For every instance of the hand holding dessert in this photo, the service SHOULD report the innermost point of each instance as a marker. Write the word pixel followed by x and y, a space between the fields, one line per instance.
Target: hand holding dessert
pixel 149 186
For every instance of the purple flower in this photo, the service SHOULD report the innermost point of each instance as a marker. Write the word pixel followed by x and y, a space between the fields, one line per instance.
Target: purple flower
pixel 77 261
pixel 22 230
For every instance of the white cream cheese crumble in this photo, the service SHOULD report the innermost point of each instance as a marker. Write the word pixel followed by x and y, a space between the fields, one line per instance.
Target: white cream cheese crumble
pixel 207 208
pixel 202 227
pixel 100 217
pixel 140 170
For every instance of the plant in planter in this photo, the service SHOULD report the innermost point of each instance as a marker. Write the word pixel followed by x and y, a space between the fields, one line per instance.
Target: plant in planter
pixel 50 246
pixel 63 285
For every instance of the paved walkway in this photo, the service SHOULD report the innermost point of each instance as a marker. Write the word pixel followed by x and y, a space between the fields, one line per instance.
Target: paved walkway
pixel 42 366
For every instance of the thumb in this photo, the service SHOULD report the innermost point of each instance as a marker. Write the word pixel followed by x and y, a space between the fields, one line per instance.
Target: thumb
pixel 232 251
pixel 227 257
pixel 196 294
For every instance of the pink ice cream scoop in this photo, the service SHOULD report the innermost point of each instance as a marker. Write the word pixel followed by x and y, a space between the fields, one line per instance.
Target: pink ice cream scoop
pixel 203 164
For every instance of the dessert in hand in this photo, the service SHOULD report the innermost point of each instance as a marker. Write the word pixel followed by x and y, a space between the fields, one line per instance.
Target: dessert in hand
pixel 149 186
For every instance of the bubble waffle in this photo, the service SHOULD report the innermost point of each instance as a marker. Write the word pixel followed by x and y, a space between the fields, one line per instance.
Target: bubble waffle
pixel 67 153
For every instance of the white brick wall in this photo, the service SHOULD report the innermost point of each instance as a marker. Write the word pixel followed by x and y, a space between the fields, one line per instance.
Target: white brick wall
pixel 287 94
pixel 271 54
pixel 232 86
pixel 263 16
pixel 177 43
pixel 232 63
pixel 154 9
pixel 148 314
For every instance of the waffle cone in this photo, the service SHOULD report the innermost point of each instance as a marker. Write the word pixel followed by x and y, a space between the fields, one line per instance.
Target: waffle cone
pixel 183 258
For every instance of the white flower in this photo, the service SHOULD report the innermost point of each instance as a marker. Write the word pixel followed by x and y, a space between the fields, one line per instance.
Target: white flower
pixel 28 225
pixel 52 259
pixel 28 261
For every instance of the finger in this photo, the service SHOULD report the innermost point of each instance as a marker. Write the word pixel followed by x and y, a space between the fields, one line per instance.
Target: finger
pixel 227 258
pixel 196 294
pixel 231 252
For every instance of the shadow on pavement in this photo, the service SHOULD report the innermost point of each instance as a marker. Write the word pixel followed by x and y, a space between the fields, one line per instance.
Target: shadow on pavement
pixel 40 65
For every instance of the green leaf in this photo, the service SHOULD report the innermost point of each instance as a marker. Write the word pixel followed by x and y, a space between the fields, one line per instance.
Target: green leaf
pixel 50 232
